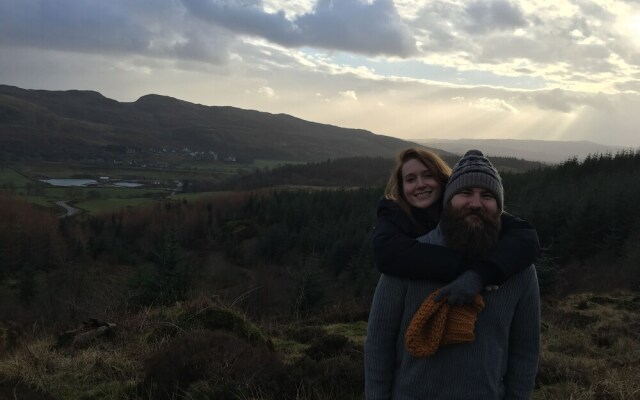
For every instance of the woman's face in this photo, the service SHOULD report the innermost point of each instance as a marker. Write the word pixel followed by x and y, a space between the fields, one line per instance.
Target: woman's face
pixel 419 185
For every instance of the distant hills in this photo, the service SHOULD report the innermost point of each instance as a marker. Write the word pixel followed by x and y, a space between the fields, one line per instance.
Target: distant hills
pixel 85 125
pixel 77 125
pixel 547 151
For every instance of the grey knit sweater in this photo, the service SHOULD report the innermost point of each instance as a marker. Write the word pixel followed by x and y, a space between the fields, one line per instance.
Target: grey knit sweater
pixel 501 363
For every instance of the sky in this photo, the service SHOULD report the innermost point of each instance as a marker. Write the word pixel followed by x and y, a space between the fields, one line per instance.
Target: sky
pixel 535 69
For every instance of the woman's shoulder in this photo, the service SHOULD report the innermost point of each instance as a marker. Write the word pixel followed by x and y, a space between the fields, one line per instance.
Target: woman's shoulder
pixel 393 219
pixel 390 209
pixel 385 203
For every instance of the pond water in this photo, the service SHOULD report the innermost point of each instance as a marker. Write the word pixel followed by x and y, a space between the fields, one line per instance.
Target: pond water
pixel 87 182
pixel 69 182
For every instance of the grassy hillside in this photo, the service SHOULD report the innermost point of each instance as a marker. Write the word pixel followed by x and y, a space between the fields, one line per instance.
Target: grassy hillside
pixel 203 349
pixel 84 125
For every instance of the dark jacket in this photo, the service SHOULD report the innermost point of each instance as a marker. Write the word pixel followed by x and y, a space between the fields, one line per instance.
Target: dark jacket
pixel 397 252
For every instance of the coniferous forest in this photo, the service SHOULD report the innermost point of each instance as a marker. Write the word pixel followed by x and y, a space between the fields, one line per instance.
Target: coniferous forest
pixel 264 293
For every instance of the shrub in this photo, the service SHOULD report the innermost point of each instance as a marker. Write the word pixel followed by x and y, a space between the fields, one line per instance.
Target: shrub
pixel 306 334
pixel 229 366
pixel 340 377
pixel 12 388
pixel 557 368
pixel 205 314
pixel 332 346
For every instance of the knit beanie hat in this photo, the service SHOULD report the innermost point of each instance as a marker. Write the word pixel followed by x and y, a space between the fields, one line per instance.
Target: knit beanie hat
pixel 474 170
pixel 436 324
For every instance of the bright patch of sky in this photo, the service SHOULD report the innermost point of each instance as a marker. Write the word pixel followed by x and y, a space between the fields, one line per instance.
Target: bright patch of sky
pixel 419 70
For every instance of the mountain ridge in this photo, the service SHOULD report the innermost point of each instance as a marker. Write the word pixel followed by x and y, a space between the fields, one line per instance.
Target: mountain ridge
pixel 91 125
pixel 85 125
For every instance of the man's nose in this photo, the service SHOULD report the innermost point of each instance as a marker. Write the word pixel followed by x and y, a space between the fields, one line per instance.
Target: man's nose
pixel 475 201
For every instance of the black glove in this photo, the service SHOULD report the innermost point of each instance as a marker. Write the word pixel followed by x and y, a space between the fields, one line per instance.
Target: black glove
pixel 463 289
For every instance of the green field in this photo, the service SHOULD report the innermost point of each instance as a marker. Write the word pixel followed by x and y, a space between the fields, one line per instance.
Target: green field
pixel 273 163
pixel 23 179
pixel 105 205
pixel 58 170
pixel 197 196
pixel 10 177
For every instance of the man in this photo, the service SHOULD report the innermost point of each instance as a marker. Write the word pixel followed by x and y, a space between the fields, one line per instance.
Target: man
pixel 420 349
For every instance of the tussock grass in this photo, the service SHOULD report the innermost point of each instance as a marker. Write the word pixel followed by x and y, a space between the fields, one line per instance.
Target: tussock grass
pixel 89 373
pixel 290 350
pixel 590 348
pixel 115 368
pixel 355 331
pixel 203 349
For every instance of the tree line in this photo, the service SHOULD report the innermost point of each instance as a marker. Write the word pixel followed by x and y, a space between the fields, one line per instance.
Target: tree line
pixel 344 172
pixel 305 250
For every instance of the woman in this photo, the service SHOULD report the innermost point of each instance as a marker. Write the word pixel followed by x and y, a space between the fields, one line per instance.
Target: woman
pixel 412 206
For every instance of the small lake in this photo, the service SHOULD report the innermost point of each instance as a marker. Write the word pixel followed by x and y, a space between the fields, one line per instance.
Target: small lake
pixel 69 182
pixel 87 182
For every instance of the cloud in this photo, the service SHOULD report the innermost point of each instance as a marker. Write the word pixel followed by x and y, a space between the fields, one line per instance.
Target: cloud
pixel 70 24
pixel 202 30
pixel 632 86
pixel 557 100
pixel 493 15
pixel 159 28
pixel 577 45
pixel 348 94
pixel 616 124
pixel 455 26
pixel 497 105
pixel 350 25
pixel 568 102
pixel 357 25
pixel 267 91
pixel 244 17
pixel 566 45
pixel 321 98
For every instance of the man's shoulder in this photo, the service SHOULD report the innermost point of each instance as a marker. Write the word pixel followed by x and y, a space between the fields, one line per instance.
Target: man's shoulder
pixel 529 272
pixel 388 283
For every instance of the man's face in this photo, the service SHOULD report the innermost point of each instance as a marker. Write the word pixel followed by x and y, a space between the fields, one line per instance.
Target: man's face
pixel 476 200
pixel 471 222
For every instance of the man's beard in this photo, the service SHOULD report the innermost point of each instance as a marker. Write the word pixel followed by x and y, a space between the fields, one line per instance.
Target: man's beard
pixel 472 238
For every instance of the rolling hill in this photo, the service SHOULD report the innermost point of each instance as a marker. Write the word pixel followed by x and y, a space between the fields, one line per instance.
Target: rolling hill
pixel 85 125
